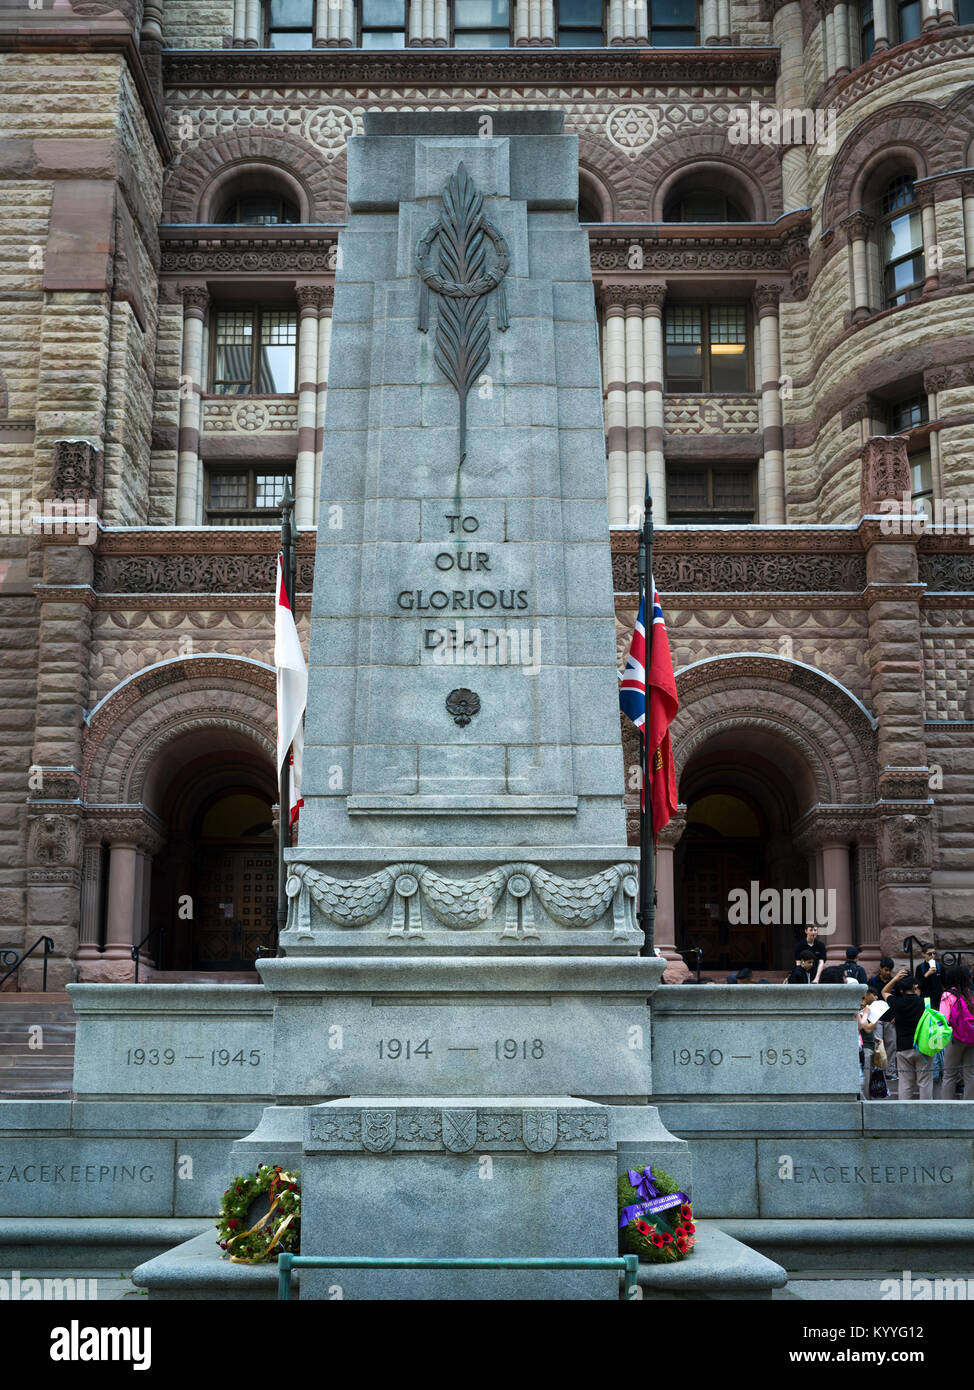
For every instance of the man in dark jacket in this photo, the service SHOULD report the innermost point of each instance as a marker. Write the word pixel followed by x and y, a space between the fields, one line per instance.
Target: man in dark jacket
pixel 852 970
pixel 930 977
pixel 817 948
pixel 804 971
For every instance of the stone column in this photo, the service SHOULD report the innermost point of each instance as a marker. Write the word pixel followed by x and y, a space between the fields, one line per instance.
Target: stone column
pixel 928 216
pixel 857 228
pixel 91 877
pixel 534 23
pixel 665 923
pixel 653 299
pixel 239 23
pixel 896 680
pixel 122 882
pixel 614 372
pixel 615 22
pixel 441 24
pixel 843 58
pixel 253 25
pixel 635 400
pixel 196 302
pixel 968 192
pixel 766 299
pixel 880 26
pixel 152 22
pixel 335 26
pixel 324 353
pixel 786 31
pixel 635 22
pixel 708 23
pixel 723 21
pixel 309 303
pixel 828 39
pixel 836 875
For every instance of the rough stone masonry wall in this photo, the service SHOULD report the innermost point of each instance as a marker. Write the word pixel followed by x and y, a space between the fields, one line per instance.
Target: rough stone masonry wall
pixel 832 367
pixel 75 364
pixel 197 23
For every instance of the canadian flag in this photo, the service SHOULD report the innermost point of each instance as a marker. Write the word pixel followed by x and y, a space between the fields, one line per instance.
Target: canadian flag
pixel 292 692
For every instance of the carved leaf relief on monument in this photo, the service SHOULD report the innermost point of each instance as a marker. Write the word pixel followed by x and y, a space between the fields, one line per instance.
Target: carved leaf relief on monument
pixel 462 345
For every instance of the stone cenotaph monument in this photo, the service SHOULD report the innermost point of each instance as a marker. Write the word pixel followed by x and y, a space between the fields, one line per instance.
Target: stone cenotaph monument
pixel 461 964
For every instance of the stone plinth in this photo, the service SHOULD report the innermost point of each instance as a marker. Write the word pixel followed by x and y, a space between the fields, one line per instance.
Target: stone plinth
pixel 415 1177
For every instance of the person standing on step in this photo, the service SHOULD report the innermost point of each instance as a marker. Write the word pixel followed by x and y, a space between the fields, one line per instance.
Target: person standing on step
pixel 804 971
pixel 957 1006
pixel 885 1028
pixel 817 949
pixel 914 1070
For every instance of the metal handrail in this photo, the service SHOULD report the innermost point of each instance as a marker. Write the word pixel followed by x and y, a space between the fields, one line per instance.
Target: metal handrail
pixel 954 957
pixel 136 949
pixel 698 952
pixel 909 944
pixel 9 953
pixel 629 1264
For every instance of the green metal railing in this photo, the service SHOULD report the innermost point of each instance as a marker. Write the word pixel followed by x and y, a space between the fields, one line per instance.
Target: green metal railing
pixel 628 1264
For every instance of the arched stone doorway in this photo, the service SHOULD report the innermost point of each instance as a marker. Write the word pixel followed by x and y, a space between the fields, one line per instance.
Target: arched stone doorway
pixel 744 797
pixel 784 756
pixel 214 896
pixel 178 786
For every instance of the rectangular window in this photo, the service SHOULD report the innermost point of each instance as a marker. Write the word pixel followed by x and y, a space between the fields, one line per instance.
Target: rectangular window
pixel 706 348
pixel 673 23
pixel 580 24
pixel 291 23
pixel 907 414
pixel 243 496
pixel 481 23
pixel 921 482
pixel 867 32
pixel 903 255
pixel 911 21
pixel 710 494
pixel 255 352
pixel 383 23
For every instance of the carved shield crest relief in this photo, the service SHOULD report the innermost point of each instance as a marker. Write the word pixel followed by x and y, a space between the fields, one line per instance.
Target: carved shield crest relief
pixel 540 1130
pixel 459 1130
pixel 378 1130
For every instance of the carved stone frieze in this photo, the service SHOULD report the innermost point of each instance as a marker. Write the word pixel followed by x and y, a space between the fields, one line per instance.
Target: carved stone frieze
pixel 716 573
pixel 510 902
pixel 946 573
pixel 458 1129
pixel 331 68
pixel 194 574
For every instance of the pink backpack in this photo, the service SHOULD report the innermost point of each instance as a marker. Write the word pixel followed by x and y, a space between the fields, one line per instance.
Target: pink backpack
pixel 959 1017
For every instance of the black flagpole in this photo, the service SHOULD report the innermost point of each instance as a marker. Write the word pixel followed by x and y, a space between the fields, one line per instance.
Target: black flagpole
pixel 288 568
pixel 647 866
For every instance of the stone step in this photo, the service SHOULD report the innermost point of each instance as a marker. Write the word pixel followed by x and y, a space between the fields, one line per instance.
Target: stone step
pixel 36 1073
pixel 115 1243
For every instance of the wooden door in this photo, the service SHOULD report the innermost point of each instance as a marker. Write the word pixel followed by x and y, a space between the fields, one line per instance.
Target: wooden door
pixel 237 905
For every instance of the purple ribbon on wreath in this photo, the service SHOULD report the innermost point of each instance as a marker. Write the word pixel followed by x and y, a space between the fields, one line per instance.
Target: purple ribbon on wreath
pixel 652 1202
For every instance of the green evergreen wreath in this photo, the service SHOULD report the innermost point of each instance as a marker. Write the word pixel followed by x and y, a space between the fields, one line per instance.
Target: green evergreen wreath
pixel 661 1237
pixel 279 1229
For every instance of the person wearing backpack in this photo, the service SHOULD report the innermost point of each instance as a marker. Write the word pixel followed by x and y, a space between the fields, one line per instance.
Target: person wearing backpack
pixel 914 1070
pixel 957 1006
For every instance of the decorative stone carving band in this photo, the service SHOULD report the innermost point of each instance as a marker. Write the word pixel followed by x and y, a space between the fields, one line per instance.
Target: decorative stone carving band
pixel 463 905
pixel 459 1130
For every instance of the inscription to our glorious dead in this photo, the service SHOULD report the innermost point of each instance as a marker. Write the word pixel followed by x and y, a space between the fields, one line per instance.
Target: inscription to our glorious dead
pixel 433 596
